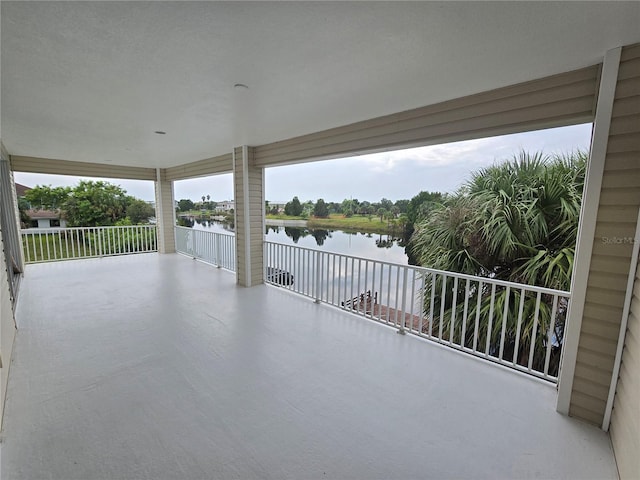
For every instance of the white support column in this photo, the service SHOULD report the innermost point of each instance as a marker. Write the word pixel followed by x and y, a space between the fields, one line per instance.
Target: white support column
pixel 587 226
pixel 248 182
pixel 165 213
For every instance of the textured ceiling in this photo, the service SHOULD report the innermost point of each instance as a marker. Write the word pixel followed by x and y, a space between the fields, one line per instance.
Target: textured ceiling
pixel 92 81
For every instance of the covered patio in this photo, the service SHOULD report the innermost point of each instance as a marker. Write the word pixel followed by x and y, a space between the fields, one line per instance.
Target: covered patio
pixel 156 366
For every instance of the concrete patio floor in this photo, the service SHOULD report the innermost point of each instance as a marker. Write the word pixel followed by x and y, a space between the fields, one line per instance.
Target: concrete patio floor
pixel 160 367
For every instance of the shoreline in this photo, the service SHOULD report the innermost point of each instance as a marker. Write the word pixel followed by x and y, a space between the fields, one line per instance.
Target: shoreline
pixel 275 222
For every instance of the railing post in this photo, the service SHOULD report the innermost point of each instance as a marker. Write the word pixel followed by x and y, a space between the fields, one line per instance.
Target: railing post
pixel 100 249
pixel 218 239
pixel 318 277
pixel 402 330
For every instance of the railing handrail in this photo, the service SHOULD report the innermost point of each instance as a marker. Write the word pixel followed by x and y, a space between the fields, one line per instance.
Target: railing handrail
pixel 475 278
pixel 102 227
pixel 178 227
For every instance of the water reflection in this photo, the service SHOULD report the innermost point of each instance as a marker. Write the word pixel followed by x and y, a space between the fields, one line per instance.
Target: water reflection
pixel 370 245
pixel 367 245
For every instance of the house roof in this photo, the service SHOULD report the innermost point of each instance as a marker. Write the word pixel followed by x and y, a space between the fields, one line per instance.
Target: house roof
pixel 43 214
pixel 93 81
pixel 21 190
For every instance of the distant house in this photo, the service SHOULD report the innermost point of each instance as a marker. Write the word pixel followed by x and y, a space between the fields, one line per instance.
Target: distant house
pixel 45 219
pixel 40 218
pixel 226 205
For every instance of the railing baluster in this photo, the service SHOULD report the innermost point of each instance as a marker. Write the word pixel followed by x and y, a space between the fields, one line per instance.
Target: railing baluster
pixel 403 315
pixel 433 300
pixel 519 327
pixel 550 335
pixel 476 327
pixel 443 301
pixel 490 325
pixel 380 299
pixel 504 321
pixel 395 319
pixel 353 265
pixel 534 332
pixel 453 310
pixel 413 296
pixel 465 313
pixel 421 305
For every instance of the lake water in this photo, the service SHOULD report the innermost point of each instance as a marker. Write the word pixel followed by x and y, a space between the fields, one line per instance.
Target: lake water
pixel 367 245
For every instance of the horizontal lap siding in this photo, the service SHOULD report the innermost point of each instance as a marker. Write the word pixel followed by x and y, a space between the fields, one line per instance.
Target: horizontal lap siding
pixel 612 249
pixel 165 208
pixel 625 417
pixel 553 101
pixel 202 168
pixel 255 211
pixel 83 169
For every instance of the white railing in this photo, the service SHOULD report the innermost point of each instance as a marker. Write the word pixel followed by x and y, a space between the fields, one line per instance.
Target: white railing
pixel 516 325
pixel 217 249
pixel 54 244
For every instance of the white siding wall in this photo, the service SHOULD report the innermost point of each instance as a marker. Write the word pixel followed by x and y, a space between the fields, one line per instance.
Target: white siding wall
pixel 165 213
pixel 66 167
pixel 625 417
pixel 7 322
pixel 201 168
pixel 612 247
pixel 7 328
pixel 558 100
pixel 249 215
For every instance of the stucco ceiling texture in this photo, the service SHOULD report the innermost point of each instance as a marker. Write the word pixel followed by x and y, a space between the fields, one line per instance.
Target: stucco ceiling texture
pixel 92 81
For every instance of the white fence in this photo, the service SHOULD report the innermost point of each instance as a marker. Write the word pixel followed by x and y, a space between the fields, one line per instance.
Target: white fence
pixel 516 325
pixel 54 244
pixel 215 248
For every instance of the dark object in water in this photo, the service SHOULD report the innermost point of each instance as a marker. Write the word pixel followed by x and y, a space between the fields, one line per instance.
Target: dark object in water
pixel 279 277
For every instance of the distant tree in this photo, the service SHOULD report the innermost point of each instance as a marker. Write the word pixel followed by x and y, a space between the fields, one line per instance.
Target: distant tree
pixel 208 197
pixel 421 204
pixel 293 208
pixel 402 205
pixel 320 210
pixel 46 197
pixel 347 205
pixel 203 198
pixel 386 204
pixel 184 205
pixel 92 204
pixel 23 206
pixel 139 211
pixel 382 212
pixel 365 208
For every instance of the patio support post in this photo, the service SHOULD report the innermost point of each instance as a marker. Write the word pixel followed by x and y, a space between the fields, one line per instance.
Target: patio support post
pixel 587 228
pixel 248 185
pixel 165 212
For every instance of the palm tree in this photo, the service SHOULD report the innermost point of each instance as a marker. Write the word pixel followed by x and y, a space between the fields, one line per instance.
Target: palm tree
pixel 514 221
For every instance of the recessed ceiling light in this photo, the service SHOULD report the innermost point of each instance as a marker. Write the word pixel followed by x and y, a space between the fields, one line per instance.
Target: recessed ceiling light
pixel 160 132
pixel 241 86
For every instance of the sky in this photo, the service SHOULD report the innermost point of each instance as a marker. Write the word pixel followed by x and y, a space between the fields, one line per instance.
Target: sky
pixel 394 175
